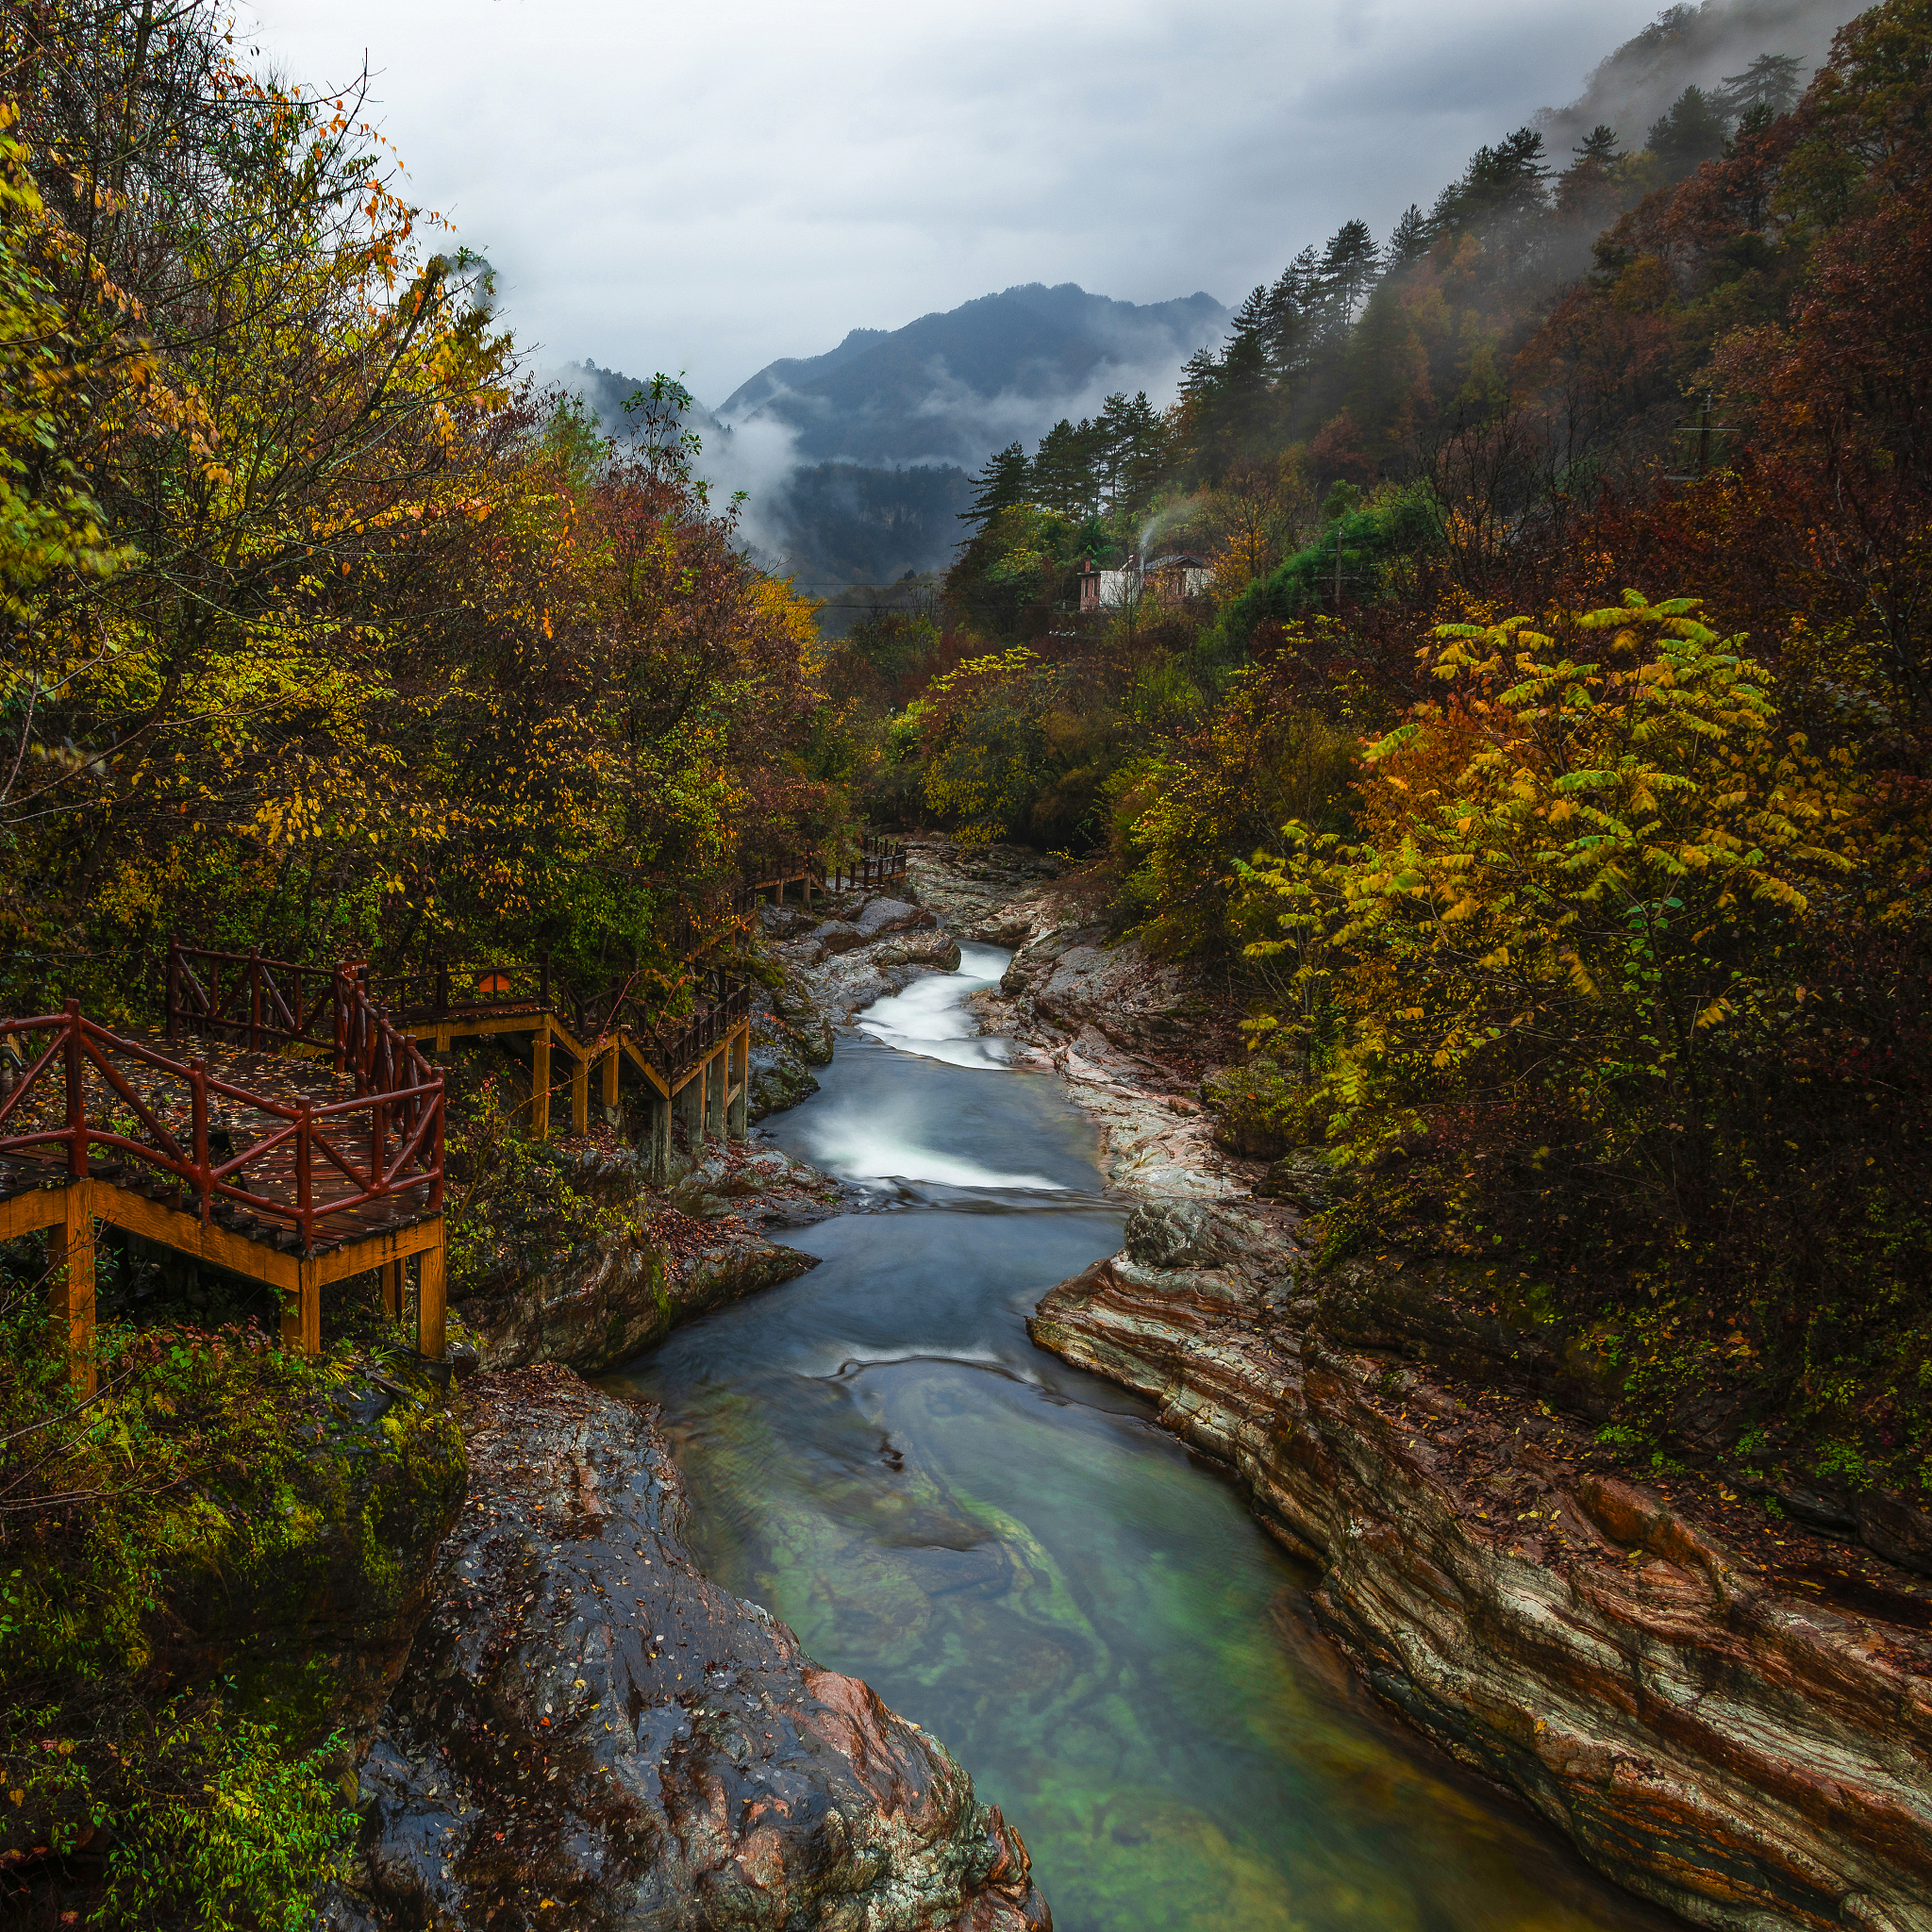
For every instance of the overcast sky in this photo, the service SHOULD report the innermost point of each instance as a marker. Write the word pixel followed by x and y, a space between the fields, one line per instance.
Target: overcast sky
pixel 708 187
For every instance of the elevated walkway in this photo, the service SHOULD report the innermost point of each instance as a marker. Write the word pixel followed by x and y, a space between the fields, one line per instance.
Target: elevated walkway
pixel 294 1172
pixel 301 1143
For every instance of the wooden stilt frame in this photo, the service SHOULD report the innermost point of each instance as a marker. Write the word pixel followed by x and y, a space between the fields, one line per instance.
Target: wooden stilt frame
pixel 70 1248
pixel 539 1081
pixel 67 1215
pixel 739 1092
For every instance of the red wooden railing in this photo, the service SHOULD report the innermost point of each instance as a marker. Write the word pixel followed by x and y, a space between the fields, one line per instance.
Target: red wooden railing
pixel 878 861
pixel 675 1046
pixel 881 862
pixel 247 1000
pixel 442 986
pixel 695 928
pixel 87 1094
pixel 672 1046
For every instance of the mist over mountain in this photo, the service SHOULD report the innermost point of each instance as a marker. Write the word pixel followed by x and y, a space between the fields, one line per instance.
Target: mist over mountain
pixel 948 388
pixel 855 463
pixel 824 523
pixel 1690 46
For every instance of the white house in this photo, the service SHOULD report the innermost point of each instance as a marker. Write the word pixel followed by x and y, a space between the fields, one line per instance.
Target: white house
pixel 1181 573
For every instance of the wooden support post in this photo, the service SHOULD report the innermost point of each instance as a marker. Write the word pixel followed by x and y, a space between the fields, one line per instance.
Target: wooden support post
pixel 717 1085
pixel 70 1285
pixel 302 1311
pixel 610 1076
pixel 540 1082
pixel 395 1287
pixel 657 1139
pixel 579 1095
pixel 741 1102
pixel 431 1306
pixel 691 1104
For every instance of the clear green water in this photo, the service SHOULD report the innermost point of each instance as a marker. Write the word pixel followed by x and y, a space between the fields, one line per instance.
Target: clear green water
pixel 1013 1554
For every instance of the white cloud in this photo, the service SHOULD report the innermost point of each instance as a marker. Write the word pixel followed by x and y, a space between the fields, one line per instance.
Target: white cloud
pixel 709 188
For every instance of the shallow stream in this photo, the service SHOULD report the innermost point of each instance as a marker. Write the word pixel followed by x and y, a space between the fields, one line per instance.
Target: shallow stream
pixel 1014 1556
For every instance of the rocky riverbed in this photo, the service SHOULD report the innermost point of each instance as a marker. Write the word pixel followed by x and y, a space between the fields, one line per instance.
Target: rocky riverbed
pixel 1714 1736
pixel 586 1726
pixel 1728 1710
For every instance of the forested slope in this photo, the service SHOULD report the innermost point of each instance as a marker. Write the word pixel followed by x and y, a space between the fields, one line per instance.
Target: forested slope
pixel 322 629
pixel 325 627
pixel 1546 770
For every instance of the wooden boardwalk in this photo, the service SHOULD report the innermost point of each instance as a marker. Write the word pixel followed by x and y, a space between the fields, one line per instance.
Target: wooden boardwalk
pixel 295 1171
pixel 288 1124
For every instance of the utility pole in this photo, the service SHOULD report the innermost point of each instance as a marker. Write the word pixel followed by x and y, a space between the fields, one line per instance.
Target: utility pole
pixel 1706 431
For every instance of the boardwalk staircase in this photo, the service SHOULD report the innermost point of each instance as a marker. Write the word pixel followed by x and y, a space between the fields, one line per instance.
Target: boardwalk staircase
pixel 294 1172
pixel 302 1141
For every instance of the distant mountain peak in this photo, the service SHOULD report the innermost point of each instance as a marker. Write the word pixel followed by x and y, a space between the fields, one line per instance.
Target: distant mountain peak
pixel 956 384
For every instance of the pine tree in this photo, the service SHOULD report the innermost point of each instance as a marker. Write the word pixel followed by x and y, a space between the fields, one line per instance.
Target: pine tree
pixel 1149 450
pixel 1063 469
pixel 1409 240
pixel 1006 480
pixel 1502 188
pixel 1292 319
pixel 1128 437
pixel 1587 189
pixel 1691 133
pixel 1770 81
pixel 1348 266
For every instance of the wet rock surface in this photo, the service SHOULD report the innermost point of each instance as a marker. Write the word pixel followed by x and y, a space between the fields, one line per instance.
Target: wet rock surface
pixel 986 894
pixel 594 1283
pixel 589 1734
pixel 1733 1721
pixel 859 952
pixel 1127 1034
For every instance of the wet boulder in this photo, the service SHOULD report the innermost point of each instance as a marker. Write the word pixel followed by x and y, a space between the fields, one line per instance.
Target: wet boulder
pixel 1181 1234
pixel 881 916
pixel 588 1725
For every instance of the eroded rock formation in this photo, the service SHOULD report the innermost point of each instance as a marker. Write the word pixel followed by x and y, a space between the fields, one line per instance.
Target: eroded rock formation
pixel 584 1270
pixel 1715 1726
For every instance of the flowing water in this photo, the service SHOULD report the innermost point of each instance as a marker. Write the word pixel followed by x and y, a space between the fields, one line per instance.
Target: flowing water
pixel 1014 1556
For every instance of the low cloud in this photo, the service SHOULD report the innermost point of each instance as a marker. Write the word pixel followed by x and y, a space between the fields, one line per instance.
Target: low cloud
pixel 1632 87
pixel 707 191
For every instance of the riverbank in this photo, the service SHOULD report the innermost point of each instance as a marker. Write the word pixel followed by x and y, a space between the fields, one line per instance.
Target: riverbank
pixel 1008 1550
pixel 585 1724
pixel 571 1252
pixel 1727 1710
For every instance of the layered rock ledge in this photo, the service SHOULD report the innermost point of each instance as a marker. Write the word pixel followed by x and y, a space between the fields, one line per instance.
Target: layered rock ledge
pixel 592 1272
pixel 1716 1734
pixel 588 1726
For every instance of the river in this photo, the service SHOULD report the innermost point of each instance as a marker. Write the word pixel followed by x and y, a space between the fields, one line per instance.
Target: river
pixel 1015 1557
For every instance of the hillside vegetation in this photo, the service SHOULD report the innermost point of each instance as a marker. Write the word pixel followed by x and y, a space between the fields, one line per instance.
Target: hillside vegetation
pixel 325 630
pixel 1545 772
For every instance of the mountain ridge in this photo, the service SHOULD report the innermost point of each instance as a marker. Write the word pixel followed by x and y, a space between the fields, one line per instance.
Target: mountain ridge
pixel 953 384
